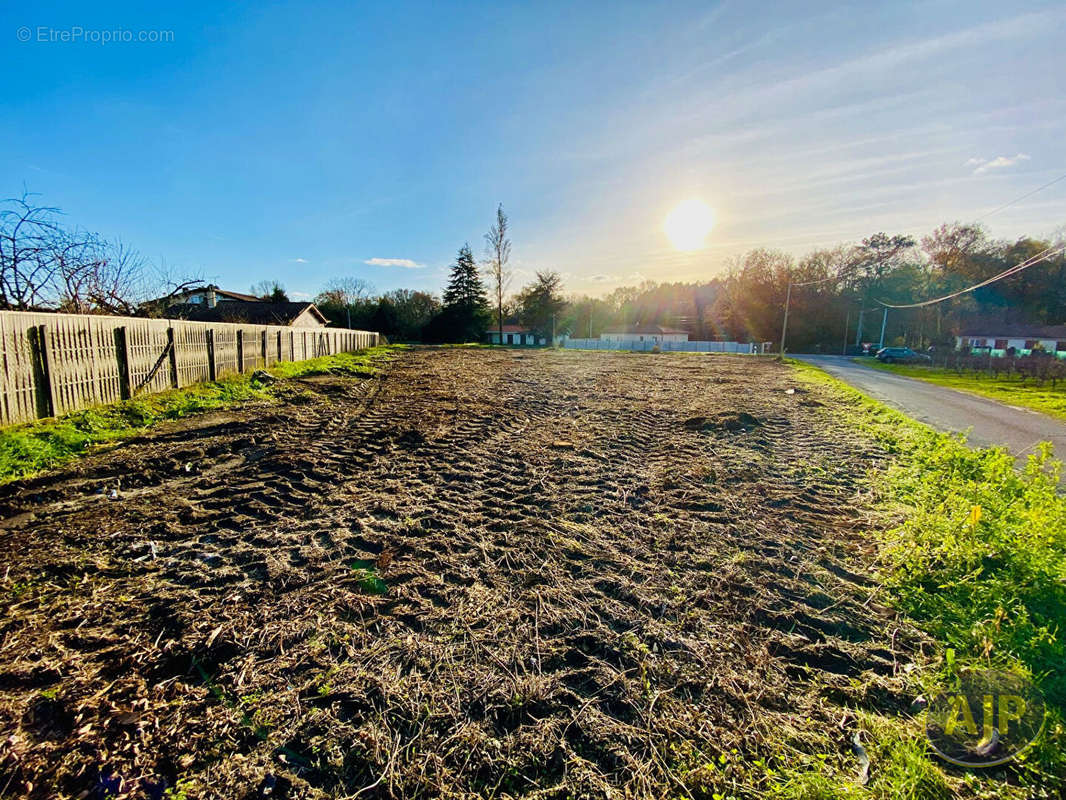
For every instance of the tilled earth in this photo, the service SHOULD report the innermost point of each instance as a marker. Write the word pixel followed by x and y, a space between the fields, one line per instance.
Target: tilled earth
pixel 483 573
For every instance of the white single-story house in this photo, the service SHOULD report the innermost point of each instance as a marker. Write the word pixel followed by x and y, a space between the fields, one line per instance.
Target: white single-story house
pixel 630 334
pixel 515 334
pixel 1022 339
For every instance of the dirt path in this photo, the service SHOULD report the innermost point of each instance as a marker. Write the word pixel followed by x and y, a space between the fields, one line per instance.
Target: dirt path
pixel 492 572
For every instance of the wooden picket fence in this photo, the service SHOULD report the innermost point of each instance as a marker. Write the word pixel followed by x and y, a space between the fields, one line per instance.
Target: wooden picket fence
pixel 52 364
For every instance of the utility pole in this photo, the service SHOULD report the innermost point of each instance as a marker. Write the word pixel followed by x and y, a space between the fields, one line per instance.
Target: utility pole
pixel 847 324
pixel 784 325
pixel 858 330
pixel 884 321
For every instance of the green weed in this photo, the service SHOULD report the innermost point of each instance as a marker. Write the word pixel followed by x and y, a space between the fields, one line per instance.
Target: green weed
pixel 28 449
pixel 979 560
pixel 366 572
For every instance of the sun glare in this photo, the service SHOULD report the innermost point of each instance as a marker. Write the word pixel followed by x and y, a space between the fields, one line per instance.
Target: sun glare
pixel 688 224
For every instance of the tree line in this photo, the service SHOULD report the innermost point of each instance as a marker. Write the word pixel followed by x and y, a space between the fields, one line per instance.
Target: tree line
pixel 836 297
pixel 846 287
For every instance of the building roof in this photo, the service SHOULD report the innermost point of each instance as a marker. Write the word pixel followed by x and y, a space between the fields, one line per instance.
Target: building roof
pixel 511 329
pixel 993 331
pixel 255 312
pixel 221 295
pixel 654 330
pixel 226 294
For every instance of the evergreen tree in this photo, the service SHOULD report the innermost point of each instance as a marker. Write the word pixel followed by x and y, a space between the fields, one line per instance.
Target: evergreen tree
pixel 465 287
pixel 466 309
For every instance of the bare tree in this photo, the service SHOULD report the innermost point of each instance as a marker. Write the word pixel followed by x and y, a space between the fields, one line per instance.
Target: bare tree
pixel 345 293
pixel 270 290
pixel 116 281
pixel 498 247
pixel 38 257
pixel 164 285
pixel 45 265
pixel 77 261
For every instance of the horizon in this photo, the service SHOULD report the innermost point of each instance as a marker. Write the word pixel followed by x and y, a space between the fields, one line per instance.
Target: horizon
pixel 260 144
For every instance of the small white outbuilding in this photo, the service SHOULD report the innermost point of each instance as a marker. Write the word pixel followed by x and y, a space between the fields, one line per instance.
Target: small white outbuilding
pixel 636 334
pixel 515 334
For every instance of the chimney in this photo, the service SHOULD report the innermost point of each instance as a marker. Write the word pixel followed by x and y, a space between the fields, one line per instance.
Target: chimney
pixel 212 300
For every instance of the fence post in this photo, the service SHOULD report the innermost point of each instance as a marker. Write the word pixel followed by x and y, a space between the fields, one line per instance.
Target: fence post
pixel 281 355
pixel 263 346
pixel 94 369
pixel 292 345
pixel 240 350
pixel 171 343
pixel 122 355
pixel 211 369
pixel 47 405
pixel 7 413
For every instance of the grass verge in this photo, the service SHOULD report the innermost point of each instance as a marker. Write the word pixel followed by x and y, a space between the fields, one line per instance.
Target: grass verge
pixel 979 562
pixel 1045 399
pixel 37 446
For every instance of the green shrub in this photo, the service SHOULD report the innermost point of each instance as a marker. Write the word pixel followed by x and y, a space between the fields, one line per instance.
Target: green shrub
pixel 979 559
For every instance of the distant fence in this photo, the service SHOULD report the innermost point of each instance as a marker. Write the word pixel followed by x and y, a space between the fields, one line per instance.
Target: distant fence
pixel 52 364
pixel 1041 367
pixel 670 347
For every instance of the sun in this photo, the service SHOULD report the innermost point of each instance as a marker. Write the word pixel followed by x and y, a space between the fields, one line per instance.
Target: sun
pixel 688 224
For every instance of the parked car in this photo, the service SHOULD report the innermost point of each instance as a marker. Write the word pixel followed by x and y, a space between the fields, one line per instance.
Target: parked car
pixel 902 355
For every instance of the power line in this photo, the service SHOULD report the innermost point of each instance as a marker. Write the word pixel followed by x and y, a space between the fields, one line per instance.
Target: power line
pixel 1019 199
pixel 819 280
pixel 788 302
pixel 1042 256
pixel 1032 261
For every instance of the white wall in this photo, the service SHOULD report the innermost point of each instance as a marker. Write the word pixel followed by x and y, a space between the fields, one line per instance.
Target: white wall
pixel 644 337
pixel 527 339
pixel 307 319
pixel 981 342
pixel 683 346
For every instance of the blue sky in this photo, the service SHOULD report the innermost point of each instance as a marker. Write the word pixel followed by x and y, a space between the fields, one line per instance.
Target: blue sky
pixel 305 141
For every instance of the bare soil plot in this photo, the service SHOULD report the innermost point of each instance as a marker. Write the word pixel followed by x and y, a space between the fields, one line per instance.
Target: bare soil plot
pixel 509 573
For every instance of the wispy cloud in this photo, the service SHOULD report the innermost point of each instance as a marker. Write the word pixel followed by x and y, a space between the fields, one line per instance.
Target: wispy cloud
pixel 999 162
pixel 406 263
pixel 911 54
pixel 299 295
pixel 299 261
pixel 602 278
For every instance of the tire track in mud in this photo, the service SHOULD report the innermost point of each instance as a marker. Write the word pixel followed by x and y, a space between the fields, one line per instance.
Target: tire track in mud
pixel 599 577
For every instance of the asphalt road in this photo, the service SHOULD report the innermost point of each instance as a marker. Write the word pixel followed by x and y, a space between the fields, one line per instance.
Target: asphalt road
pixel 988 422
